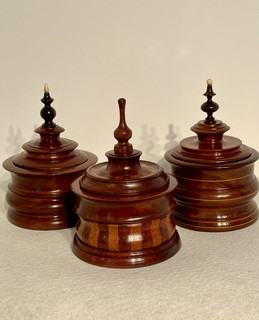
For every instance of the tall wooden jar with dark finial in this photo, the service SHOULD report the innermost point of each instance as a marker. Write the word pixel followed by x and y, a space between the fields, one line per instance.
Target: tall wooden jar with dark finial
pixel 125 207
pixel 39 194
pixel 215 173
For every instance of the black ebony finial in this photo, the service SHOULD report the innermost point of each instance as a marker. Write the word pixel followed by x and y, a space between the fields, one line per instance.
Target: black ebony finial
pixel 123 133
pixel 48 113
pixel 209 106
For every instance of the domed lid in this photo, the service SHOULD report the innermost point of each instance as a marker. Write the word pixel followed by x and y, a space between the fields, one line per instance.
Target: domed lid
pixel 211 146
pixel 49 154
pixel 125 174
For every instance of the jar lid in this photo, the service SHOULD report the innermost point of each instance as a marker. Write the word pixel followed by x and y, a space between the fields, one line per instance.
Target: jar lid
pixel 211 147
pixel 49 154
pixel 124 175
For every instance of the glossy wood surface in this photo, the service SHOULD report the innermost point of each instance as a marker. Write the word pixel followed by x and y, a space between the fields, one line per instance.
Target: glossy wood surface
pixel 39 195
pixel 215 174
pixel 125 207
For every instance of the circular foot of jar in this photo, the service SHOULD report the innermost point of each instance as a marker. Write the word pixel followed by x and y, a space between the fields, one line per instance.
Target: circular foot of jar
pixel 126 259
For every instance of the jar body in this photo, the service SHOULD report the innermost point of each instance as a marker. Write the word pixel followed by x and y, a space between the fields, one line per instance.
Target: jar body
pixel 215 198
pixel 125 232
pixel 42 202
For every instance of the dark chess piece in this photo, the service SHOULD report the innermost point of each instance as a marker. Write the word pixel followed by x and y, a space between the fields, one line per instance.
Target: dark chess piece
pixel 215 173
pixel 39 195
pixel 125 207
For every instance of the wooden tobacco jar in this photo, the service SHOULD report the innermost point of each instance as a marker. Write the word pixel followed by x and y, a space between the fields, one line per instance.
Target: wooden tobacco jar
pixel 39 194
pixel 215 173
pixel 125 208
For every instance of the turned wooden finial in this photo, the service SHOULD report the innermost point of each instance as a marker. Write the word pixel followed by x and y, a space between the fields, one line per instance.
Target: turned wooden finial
pixel 209 106
pixel 123 133
pixel 48 113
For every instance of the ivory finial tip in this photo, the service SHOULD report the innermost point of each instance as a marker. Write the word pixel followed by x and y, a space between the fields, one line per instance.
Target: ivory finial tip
pixel 209 81
pixel 46 88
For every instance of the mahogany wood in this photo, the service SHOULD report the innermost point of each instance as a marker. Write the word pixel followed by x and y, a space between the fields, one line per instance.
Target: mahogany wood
pixel 39 195
pixel 215 173
pixel 125 207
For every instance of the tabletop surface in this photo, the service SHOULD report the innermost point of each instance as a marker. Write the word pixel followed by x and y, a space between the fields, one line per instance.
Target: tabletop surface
pixel 213 276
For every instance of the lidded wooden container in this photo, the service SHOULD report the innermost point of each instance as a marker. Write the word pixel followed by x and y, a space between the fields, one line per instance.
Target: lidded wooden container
pixel 39 195
pixel 215 173
pixel 125 207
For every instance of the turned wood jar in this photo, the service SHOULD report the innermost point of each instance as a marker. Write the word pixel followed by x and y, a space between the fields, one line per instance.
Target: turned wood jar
pixel 125 208
pixel 215 173
pixel 39 194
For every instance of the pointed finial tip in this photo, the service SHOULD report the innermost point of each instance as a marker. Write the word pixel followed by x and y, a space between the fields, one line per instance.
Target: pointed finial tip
pixel 46 88
pixel 209 81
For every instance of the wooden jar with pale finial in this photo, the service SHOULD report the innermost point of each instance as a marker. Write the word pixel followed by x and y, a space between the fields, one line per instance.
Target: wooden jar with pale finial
pixel 215 173
pixel 39 195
